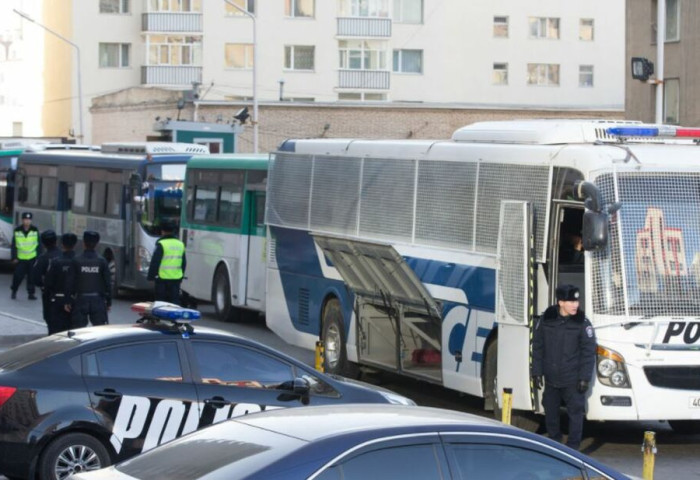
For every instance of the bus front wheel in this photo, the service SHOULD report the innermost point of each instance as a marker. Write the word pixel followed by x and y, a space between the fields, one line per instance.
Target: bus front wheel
pixel 221 296
pixel 335 358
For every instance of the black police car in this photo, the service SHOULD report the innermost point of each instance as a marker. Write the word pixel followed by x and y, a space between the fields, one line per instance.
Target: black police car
pixel 83 399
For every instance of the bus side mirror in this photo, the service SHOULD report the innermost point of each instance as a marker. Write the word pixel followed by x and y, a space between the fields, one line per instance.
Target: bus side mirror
pixel 22 194
pixel 594 232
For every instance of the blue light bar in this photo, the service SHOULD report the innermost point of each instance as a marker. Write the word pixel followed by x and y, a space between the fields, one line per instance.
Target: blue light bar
pixel 634 131
pixel 168 312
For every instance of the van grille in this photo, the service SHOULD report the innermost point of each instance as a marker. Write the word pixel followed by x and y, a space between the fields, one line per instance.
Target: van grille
pixel 680 378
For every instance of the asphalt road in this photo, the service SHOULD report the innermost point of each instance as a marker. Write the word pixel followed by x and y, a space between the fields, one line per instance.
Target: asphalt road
pixel 615 443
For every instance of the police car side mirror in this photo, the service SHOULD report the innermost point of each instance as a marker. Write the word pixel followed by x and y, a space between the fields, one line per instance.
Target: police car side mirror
pixel 594 233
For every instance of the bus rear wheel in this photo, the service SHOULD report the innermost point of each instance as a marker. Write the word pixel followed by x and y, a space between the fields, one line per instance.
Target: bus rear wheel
pixel 221 297
pixel 335 358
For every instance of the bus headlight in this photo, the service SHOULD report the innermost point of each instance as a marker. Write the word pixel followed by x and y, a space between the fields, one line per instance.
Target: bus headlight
pixel 144 259
pixel 610 367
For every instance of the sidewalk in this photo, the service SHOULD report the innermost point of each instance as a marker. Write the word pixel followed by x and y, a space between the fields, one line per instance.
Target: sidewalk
pixel 16 330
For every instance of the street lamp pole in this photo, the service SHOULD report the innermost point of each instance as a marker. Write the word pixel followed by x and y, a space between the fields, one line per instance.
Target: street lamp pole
pixel 255 68
pixel 77 51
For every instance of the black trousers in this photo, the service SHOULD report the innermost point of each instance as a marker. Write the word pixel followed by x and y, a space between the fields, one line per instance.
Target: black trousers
pixel 89 308
pixel 46 306
pixel 168 291
pixel 575 407
pixel 59 320
pixel 23 269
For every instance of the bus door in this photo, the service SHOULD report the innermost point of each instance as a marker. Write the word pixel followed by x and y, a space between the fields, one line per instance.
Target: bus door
pixel 256 258
pixel 398 323
pixel 515 302
pixel 568 266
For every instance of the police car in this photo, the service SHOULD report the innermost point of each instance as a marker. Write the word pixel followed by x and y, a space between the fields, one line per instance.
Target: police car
pixel 83 399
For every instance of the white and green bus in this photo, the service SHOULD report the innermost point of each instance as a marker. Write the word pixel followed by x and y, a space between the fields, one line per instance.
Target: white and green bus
pixel 222 226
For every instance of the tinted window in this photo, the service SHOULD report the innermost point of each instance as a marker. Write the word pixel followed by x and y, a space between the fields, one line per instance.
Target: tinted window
pixel 409 461
pixel 48 192
pixel 114 199
pixel 230 207
pixel 205 204
pixel 29 353
pixel 144 361
pixel 33 190
pixel 97 197
pixel 223 364
pixel 474 460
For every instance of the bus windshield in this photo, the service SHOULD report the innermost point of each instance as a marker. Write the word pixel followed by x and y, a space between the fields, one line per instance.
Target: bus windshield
pixel 651 266
pixel 162 202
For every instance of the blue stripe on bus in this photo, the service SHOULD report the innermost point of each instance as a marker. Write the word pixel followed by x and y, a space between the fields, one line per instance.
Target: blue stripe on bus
pixel 483 332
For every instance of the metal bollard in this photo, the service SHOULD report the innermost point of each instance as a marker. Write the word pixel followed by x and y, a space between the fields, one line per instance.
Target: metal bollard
pixel 649 452
pixel 319 356
pixel 507 405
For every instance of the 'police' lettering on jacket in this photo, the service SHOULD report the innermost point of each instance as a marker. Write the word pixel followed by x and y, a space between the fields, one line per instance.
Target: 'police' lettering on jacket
pixel 89 269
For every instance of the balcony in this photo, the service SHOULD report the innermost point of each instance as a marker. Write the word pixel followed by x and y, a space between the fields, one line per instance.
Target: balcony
pixel 364 27
pixel 364 79
pixel 170 75
pixel 172 22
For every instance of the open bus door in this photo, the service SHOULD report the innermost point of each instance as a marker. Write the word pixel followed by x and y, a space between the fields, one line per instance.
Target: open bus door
pixel 514 302
pixel 257 248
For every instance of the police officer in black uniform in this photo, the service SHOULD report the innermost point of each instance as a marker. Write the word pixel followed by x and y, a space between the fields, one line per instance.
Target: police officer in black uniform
pixel 563 352
pixel 59 283
pixel 25 248
pixel 92 284
pixel 168 264
pixel 48 240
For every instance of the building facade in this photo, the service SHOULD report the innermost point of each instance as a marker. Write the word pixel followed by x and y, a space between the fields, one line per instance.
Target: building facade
pixel 504 54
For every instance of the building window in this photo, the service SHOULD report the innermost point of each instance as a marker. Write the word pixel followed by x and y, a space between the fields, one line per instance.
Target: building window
pixel 541 27
pixel 175 6
pixel 585 29
pixel 408 11
pixel 672 101
pixel 299 8
pixel 673 14
pixel 361 55
pixel 114 6
pixel 585 75
pixel 500 74
pixel 114 55
pixel 500 27
pixel 247 5
pixel 297 57
pixel 364 8
pixel 174 50
pixel 17 129
pixel 408 61
pixel 362 96
pixel 543 74
pixel 239 55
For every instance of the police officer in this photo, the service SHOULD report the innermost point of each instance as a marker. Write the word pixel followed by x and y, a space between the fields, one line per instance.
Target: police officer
pixel 48 240
pixel 59 282
pixel 25 248
pixel 168 265
pixel 92 284
pixel 563 352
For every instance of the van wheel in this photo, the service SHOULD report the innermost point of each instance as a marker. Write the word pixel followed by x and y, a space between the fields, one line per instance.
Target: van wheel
pixel 221 297
pixel 71 454
pixel 335 358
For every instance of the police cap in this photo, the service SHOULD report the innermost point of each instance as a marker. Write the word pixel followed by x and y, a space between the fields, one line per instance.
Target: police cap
pixel 91 236
pixel 568 293
pixel 27 215
pixel 48 237
pixel 69 240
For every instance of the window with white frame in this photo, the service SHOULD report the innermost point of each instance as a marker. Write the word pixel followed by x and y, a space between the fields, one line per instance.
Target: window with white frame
pixel 239 55
pixel 672 102
pixel 299 8
pixel 299 57
pixel 586 29
pixel 114 55
pixel 500 74
pixel 175 6
pixel 543 74
pixel 114 6
pixel 362 55
pixel 364 8
pixel 585 75
pixel 174 50
pixel 362 96
pixel 247 5
pixel 408 11
pixel 500 27
pixel 408 61
pixel 543 27
pixel 673 17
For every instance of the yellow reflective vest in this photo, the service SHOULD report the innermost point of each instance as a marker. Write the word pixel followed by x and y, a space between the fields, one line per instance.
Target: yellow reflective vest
pixel 171 263
pixel 27 245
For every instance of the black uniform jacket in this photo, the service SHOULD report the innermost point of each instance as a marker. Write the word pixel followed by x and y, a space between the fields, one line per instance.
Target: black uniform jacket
pixel 42 265
pixel 563 348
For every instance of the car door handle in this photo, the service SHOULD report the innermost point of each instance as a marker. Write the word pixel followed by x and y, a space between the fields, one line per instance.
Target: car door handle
pixel 216 402
pixel 108 393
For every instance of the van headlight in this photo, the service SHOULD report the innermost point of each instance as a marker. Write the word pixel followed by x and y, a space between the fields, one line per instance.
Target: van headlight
pixel 611 369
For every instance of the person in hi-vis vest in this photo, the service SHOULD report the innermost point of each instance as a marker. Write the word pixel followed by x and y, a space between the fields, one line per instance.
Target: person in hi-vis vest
pixel 168 265
pixel 25 249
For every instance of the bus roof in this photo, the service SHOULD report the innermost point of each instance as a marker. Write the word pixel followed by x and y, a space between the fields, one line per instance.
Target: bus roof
pixel 241 161
pixel 90 158
pixel 154 148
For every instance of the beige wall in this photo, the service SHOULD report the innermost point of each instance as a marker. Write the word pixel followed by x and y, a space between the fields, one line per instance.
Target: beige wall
pixel 57 116
pixel 130 115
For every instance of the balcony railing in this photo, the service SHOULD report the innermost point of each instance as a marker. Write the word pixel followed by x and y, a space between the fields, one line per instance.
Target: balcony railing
pixel 364 27
pixel 367 79
pixel 171 22
pixel 170 75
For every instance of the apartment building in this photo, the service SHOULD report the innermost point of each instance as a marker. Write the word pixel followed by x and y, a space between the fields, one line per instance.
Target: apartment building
pixel 544 55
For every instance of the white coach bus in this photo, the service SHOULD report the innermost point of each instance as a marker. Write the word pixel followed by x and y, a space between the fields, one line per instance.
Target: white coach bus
pixel 433 259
